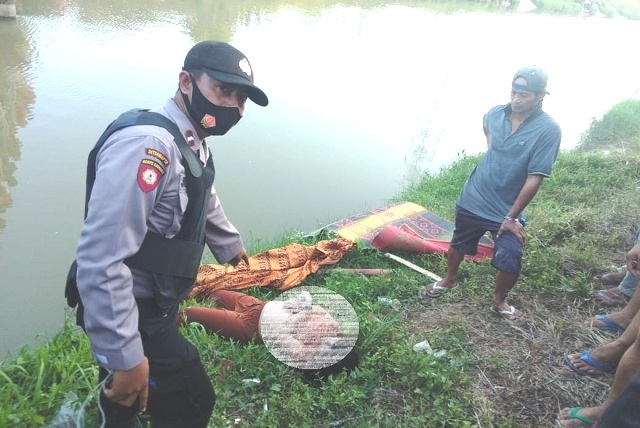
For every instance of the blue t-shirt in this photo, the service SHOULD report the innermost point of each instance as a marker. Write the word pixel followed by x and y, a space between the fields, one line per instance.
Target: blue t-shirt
pixel 494 184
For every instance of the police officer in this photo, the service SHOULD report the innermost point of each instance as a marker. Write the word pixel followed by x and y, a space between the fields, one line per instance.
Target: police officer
pixel 150 209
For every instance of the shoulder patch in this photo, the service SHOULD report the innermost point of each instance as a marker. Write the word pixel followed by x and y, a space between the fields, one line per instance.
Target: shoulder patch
pixel 149 174
pixel 158 155
pixel 190 138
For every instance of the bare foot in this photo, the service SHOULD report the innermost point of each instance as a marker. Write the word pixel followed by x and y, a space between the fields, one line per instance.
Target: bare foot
pixel 613 278
pixel 579 417
pixel 610 297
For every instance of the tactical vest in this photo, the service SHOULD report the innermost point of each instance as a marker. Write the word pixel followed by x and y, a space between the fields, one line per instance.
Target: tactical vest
pixel 172 262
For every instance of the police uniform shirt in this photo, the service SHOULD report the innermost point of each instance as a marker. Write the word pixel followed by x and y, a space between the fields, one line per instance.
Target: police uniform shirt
pixel 139 186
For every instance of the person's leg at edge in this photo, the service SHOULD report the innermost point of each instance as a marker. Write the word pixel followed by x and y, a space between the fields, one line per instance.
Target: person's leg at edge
pixel 611 353
pixel 628 285
pixel 623 412
pixel 623 317
pixel 628 368
pixel 619 295
pixel 626 288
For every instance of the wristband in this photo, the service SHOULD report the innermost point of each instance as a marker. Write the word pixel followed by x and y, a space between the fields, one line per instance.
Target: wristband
pixel 511 219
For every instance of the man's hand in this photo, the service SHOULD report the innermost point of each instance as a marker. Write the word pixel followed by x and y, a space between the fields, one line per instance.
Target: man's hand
pixel 129 385
pixel 633 261
pixel 514 227
pixel 242 256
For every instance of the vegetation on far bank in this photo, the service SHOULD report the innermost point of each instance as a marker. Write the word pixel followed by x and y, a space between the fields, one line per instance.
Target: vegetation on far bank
pixel 626 9
pixel 494 374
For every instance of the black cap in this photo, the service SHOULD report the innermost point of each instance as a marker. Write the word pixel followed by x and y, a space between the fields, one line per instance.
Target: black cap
pixel 226 64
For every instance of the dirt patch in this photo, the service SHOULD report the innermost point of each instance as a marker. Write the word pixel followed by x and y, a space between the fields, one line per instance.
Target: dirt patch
pixel 519 372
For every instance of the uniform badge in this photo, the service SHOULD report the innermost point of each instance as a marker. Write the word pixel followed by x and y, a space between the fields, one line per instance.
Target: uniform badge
pixel 208 121
pixel 149 174
pixel 190 138
pixel 158 155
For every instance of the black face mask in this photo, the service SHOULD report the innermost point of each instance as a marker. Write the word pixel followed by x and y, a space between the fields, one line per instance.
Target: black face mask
pixel 212 119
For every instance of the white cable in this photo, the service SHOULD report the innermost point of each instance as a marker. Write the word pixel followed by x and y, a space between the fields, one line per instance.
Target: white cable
pixel 103 417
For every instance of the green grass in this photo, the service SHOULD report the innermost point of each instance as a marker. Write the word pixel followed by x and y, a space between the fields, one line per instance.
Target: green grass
pixel 582 220
pixel 617 129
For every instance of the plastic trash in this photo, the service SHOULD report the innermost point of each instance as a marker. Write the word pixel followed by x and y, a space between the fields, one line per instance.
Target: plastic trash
pixel 394 303
pixel 70 415
pixel 423 346
pixel 251 380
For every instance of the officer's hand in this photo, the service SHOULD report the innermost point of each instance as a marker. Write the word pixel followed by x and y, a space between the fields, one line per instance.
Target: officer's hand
pixel 127 386
pixel 242 256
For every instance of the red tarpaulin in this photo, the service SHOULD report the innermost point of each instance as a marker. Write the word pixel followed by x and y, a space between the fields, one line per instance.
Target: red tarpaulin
pixel 404 226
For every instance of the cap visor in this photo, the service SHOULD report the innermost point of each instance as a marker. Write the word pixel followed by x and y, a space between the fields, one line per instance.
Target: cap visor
pixel 254 93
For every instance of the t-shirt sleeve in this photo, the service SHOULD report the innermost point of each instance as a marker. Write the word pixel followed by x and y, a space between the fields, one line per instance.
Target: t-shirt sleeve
pixel 546 152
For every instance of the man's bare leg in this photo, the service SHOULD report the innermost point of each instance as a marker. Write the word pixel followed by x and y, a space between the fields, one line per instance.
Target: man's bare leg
pixel 454 259
pixel 504 283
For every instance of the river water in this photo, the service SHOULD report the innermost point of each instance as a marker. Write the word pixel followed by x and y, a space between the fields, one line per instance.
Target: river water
pixel 363 99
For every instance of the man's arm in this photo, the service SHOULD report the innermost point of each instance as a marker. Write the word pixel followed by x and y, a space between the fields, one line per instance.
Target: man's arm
pixel 123 196
pixel 528 191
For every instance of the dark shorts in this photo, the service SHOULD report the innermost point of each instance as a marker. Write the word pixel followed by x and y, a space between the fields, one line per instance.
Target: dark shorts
pixel 507 250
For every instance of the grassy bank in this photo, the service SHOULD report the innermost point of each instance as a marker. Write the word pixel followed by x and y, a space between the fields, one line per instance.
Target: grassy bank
pixel 494 374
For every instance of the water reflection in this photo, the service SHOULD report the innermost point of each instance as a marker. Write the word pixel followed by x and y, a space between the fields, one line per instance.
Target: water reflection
pixel 16 100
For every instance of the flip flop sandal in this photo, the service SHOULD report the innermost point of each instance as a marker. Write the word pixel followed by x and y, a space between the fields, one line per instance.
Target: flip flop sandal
pixel 587 358
pixel 573 414
pixel 438 290
pixel 507 314
pixel 609 325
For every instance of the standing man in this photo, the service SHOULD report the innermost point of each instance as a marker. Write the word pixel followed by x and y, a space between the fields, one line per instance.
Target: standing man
pixel 523 143
pixel 151 207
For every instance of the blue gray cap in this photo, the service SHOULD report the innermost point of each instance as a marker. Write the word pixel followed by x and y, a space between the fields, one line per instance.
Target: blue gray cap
pixel 536 79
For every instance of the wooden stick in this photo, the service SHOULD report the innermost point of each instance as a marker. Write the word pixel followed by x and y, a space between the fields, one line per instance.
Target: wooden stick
pixel 414 267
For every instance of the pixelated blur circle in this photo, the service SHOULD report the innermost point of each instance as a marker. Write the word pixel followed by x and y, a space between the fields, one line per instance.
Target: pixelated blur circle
pixel 309 327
